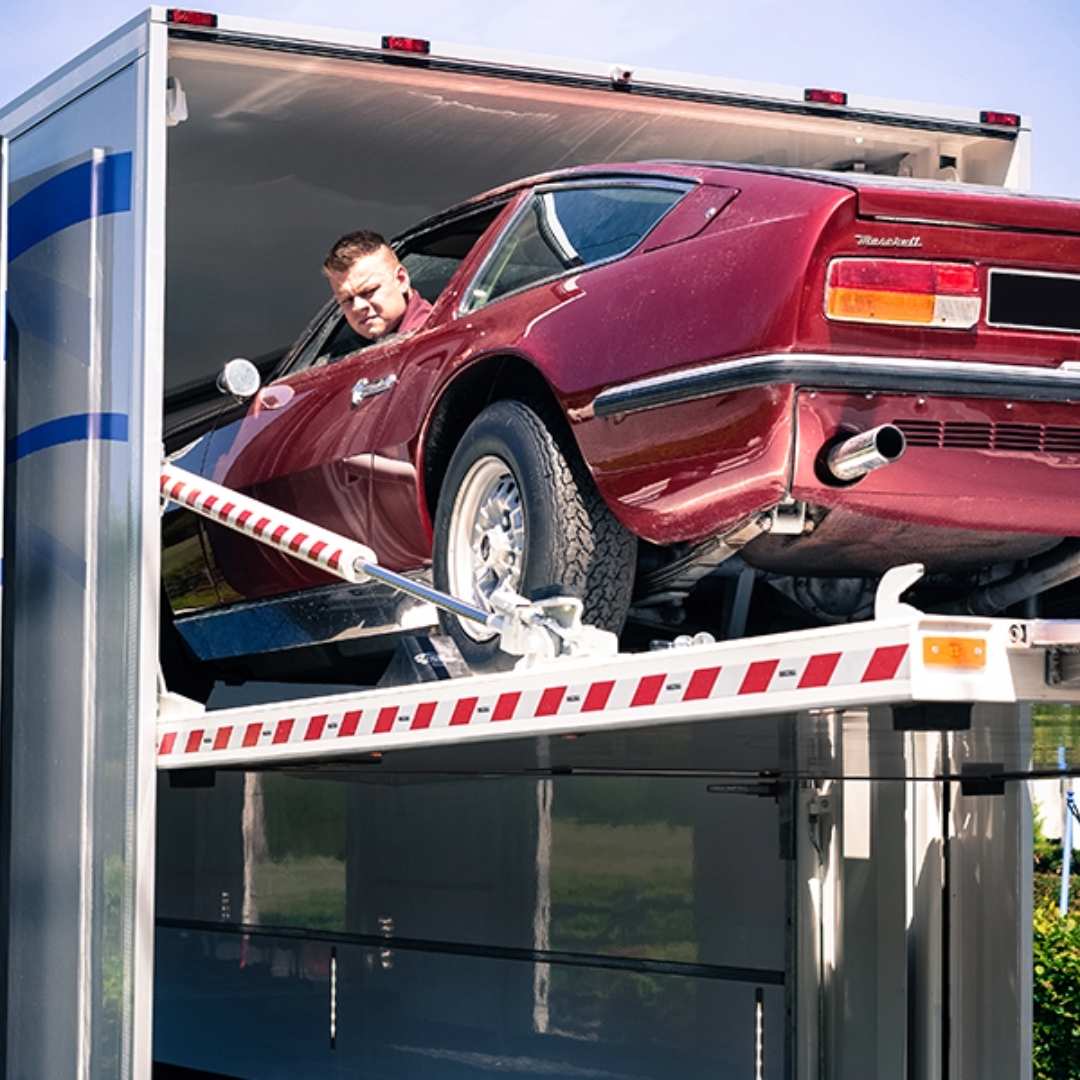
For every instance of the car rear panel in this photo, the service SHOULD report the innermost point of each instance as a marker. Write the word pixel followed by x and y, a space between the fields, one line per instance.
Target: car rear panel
pixel 697 469
pixel 976 463
pixel 1026 252
pixel 973 462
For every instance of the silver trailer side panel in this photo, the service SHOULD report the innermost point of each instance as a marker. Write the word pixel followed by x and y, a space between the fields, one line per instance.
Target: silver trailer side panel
pixel 85 241
pixel 624 903
pixel 453 926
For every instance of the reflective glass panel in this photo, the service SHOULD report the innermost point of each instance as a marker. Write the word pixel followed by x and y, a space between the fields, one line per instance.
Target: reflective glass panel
pixel 564 229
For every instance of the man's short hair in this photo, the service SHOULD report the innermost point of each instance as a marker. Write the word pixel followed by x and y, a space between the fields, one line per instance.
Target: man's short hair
pixel 353 246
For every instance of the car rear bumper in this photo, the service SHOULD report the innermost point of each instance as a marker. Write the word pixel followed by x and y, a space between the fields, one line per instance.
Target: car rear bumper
pixel 1005 464
pixel 970 463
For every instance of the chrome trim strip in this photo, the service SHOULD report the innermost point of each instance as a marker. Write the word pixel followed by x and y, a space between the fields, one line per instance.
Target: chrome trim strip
pixel 950 377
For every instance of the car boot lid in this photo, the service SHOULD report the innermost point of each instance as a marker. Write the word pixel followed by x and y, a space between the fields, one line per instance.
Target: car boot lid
pixel 965 206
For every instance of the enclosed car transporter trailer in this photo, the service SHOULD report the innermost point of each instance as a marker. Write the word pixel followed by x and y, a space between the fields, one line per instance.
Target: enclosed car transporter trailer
pixel 885 933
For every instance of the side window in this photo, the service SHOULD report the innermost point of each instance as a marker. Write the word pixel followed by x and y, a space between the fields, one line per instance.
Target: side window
pixel 329 340
pixel 563 229
pixel 431 256
pixel 342 341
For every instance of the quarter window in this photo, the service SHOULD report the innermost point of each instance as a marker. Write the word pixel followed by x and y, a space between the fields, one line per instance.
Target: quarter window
pixel 564 229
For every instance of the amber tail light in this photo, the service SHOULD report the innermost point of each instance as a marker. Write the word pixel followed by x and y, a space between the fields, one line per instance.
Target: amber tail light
pixel 903 292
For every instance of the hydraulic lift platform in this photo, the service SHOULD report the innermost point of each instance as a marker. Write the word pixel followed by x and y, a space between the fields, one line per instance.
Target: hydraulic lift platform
pixel 569 681
pixel 930 669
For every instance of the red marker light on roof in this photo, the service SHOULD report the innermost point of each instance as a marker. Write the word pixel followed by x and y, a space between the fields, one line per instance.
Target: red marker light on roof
pixel 825 97
pixel 1005 119
pixel 903 292
pixel 407 44
pixel 191 18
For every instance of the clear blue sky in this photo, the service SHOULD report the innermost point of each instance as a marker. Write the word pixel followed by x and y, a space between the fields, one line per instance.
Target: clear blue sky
pixel 983 54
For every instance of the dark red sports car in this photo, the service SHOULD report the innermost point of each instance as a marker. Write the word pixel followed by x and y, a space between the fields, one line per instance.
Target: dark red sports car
pixel 699 395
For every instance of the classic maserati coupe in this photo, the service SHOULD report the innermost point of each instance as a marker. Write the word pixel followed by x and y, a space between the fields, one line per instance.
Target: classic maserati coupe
pixel 694 395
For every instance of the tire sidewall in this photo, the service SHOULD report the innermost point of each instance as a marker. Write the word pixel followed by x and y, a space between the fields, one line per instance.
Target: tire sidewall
pixel 510 431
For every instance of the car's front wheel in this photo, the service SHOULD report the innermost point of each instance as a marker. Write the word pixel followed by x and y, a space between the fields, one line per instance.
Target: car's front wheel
pixel 518 511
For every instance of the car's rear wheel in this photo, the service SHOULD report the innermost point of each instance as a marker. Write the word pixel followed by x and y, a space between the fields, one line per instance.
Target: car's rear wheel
pixel 519 511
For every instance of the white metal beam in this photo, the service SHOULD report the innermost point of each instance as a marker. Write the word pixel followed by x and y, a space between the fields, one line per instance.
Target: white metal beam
pixel 898 661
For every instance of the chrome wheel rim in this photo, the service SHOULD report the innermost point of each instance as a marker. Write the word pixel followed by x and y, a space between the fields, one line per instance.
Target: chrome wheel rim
pixel 485 546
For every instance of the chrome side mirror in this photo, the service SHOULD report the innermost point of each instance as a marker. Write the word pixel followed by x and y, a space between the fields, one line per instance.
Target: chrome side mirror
pixel 240 378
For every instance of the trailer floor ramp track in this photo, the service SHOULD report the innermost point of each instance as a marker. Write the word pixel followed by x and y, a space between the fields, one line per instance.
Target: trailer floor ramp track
pixel 930 668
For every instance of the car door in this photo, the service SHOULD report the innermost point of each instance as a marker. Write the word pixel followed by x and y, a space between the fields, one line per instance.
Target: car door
pixel 441 259
pixel 303 446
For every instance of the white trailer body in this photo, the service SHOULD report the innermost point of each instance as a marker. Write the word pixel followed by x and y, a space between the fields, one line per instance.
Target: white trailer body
pixel 169 195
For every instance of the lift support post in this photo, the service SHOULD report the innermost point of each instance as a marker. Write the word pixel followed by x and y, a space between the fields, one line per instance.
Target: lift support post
pixel 930 668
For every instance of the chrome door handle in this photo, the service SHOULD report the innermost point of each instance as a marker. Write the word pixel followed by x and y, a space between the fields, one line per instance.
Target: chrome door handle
pixel 367 388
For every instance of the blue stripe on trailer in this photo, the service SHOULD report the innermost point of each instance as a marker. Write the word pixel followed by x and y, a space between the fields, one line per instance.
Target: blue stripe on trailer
pixel 112 427
pixel 77 194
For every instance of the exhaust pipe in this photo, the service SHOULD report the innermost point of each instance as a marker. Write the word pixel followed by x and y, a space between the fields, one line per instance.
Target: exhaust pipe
pixel 1056 567
pixel 863 453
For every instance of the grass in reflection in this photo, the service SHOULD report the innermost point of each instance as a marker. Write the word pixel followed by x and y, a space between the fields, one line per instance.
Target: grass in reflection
pixel 186 581
pixel 623 890
pixel 303 892
pixel 301 880
pixel 585 1004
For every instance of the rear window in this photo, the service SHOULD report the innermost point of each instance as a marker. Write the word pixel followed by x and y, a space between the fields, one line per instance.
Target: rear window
pixel 560 230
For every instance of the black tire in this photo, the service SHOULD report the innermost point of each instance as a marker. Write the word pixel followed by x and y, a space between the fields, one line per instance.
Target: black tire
pixel 512 481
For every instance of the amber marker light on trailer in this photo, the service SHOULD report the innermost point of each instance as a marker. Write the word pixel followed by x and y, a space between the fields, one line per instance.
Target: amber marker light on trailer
pixel 417 46
pixel 955 652
pixel 191 18
pixel 903 292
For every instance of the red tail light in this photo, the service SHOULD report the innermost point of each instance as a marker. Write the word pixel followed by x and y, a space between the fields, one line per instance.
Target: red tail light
pixel 903 292
pixel 1005 119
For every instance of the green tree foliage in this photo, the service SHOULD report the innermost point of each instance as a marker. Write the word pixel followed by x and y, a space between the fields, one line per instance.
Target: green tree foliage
pixel 1056 1006
pixel 1057 993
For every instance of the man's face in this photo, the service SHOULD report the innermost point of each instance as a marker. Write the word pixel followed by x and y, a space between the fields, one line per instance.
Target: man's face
pixel 373 294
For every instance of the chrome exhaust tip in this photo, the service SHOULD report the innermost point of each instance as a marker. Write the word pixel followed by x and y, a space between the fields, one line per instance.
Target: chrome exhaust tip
pixel 860 454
